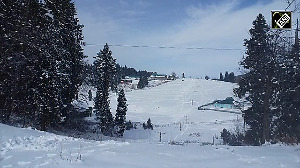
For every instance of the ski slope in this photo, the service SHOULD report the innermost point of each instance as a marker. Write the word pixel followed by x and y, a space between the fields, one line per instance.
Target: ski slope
pixel 170 102
pixel 186 136
pixel 176 103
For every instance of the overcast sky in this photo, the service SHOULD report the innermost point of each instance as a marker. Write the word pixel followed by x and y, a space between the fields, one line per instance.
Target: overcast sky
pixel 173 23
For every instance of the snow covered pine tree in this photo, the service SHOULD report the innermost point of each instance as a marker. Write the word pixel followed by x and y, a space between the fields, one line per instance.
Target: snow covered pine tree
pixel 143 82
pixel 257 84
pixel 120 119
pixel 70 58
pixel 27 49
pixel 41 61
pixel 287 101
pixel 105 66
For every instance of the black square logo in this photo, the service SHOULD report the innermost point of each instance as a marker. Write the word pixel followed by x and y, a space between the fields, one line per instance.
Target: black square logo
pixel 281 19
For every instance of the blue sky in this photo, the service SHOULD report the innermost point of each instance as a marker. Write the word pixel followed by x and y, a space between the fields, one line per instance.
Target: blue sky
pixel 178 23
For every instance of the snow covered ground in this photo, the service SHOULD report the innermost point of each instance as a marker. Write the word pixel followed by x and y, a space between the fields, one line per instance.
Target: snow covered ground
pixel 186 136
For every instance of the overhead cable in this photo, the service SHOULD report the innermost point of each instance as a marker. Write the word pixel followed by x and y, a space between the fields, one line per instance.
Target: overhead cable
pixel 162 47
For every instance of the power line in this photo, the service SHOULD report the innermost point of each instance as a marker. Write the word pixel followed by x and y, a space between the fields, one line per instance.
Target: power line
pixel 164 47
pixel 289 4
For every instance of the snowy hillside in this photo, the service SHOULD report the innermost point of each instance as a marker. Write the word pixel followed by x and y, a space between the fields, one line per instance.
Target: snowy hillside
pixel 177 102
pixel 186 136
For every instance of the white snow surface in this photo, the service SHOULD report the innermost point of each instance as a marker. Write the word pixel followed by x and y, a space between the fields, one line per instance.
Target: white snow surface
pixel 170 106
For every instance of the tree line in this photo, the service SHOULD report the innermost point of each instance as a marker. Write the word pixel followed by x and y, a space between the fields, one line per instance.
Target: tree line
pixel 121 73
pixel 41 60
pixel 271 84
pixel 41 67
pixel 227 77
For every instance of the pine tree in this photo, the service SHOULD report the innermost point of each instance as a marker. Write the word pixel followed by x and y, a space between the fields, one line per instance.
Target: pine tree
pixel 70 58
pixel 10 24
pixel 61 70
pixel 231 77
pixel 257 84
pixel 25 33
pixel 173 76
pixel 146 81
pixel 287 120
pixel 119 73
pixel 226 77
pixel 44 91
pixel 149 124
pixel 143 82
pixel 221 77
pixel 105 69
pixel 32 68
pixel 120 119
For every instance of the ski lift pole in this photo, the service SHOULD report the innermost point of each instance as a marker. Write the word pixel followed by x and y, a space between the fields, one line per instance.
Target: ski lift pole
pixel 186 118
pixel 160 135
pixel 180 127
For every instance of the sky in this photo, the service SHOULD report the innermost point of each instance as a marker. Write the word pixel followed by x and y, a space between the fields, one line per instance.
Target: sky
pixel 182 24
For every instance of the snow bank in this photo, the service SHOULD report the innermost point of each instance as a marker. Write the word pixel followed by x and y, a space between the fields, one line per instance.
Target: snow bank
pixel 31 148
